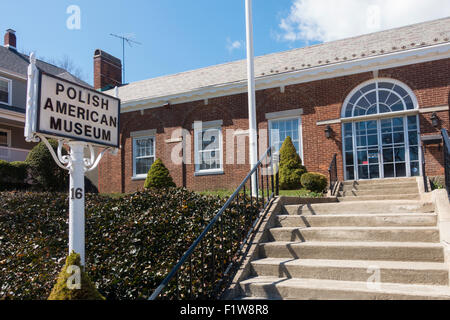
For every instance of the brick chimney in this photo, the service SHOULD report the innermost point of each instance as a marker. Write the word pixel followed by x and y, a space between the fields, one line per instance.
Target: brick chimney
pixel 10 39
pixel 107 71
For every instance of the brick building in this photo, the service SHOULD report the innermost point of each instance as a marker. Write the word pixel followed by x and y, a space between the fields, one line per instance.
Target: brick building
pixel 373 100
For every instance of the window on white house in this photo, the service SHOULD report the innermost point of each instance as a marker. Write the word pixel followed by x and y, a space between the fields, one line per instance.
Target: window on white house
pixel 283 128
pixel 4 141
pixel 208 150
pixel 4 91
pixel 143 155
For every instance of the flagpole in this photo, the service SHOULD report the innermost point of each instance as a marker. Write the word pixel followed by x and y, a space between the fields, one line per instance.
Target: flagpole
pixel 253 150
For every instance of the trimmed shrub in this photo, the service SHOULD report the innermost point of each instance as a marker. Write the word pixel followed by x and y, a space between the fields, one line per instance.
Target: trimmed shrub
pixel 158 176
pixel 43 169
pixel 132 242
pixel 291 168
pixel 86 291
pixel 13 175
pixel 315 182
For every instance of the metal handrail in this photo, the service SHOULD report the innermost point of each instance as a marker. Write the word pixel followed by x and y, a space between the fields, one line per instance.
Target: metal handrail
pixel 424 173
pixel 446 140
pixel 274 188
pixel 332 171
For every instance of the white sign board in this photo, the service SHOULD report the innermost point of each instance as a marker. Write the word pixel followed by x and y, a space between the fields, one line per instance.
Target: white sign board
pixel 68 110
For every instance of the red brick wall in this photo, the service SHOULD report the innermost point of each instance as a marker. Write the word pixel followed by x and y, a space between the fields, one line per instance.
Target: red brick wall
pixel 320 100
pixel 107 70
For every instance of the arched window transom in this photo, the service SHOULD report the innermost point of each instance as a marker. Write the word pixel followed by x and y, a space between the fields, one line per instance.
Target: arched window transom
pixel 378 97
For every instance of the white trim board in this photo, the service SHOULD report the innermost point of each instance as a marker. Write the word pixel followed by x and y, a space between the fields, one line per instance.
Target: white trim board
pixel 11 115
pixel 144 133
pixel 284 114
pixel 384 115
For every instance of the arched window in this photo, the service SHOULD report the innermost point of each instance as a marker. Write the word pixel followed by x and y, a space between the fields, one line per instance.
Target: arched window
pixel 380 131
pixel 377 97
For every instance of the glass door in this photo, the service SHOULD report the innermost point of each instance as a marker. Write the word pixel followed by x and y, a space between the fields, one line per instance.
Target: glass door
pixel 367 149
pixel 382 148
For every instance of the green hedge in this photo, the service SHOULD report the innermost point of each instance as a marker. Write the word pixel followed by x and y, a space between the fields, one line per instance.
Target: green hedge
pixel 131 242
pixel 13 175
pixel 315 182
pixel 45 173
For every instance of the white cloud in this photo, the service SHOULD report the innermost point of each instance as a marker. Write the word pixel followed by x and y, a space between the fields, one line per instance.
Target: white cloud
pixel 327 20
pixel 233 45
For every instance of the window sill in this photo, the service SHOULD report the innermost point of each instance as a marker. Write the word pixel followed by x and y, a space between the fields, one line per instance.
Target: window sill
pixel 209 173
pixel 139 178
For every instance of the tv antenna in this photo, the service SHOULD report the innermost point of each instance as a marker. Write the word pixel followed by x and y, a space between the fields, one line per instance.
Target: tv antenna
pixel 128 39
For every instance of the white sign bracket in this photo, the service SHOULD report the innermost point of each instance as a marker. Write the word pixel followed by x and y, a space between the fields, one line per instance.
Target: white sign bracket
pixel 78 117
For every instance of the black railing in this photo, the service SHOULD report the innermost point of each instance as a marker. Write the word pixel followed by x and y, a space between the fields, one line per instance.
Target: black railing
pixel 424 172
pixel 332 170
pixel 208 266
pixel 446 159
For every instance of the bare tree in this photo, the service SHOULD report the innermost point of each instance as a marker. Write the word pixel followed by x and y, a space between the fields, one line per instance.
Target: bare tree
pixel 67 63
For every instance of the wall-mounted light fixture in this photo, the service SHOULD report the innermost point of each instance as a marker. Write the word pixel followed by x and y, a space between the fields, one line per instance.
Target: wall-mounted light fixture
pixel 328 132
pixel 434 119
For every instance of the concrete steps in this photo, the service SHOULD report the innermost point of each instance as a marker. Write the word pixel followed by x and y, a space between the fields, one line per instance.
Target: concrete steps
pixel 314 289
pixel 353 270
pixel 412 196
pixel 382 234
pixel 376 192
pixel 360 207
pixel 381 186
pixel 380 241
pixel 359 220
pixel 390 251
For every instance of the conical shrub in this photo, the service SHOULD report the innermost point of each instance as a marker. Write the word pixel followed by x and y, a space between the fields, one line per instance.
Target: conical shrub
pixel 158 176
pixel 81 288
pixel 291 168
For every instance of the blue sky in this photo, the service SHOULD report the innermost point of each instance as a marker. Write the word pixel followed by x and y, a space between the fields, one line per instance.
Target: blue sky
pixel 180 35
pixel 176 35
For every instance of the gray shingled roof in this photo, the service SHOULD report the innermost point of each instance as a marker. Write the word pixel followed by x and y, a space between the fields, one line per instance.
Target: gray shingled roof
pixel 369 45
pixel 17 62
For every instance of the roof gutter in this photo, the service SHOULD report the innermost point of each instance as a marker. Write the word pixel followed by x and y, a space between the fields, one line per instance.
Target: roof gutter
pixel 391 60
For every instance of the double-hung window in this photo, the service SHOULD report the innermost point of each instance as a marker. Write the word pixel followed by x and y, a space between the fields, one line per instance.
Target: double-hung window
pixel 208 148
pixel 280 129
pixel 5 138
pixel 5 91
pixel 143 155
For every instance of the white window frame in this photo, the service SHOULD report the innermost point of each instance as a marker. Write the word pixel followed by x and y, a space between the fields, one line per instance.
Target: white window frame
pixel 9 103
pixel 300 132
pixel 151 134
pixel 204 126
pixel 378 117
pixel 8 137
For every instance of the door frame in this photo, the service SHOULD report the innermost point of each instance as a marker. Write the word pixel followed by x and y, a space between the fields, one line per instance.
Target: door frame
pixel 404 116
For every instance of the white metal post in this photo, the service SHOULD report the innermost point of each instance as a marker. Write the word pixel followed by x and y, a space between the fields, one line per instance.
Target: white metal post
pixel 253 150
pixel 76 200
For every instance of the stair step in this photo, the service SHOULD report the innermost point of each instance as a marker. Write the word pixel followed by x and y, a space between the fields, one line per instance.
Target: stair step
pixel 312 289
pixel 380 192
pixel 363 220
pixel 354 270
pixel 381 181
pixel 380 251
pixel 360 207
pixel 412 196
pixel 382 186
pixel 382 234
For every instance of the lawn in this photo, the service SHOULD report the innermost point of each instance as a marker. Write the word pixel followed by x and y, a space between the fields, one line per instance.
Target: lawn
pixel 302 193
